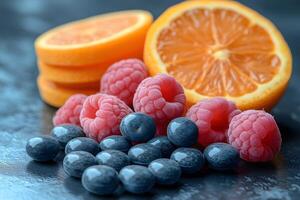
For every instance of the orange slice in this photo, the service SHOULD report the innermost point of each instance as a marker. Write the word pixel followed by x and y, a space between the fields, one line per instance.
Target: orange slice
pixel 220 48
pixel 102 38
pixel 80 86
pixel 68 75
pixel 56 95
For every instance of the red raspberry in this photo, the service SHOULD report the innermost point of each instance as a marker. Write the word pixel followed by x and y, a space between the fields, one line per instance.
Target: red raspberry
pixel 70 111
pixel 256 135
pixel 101 115
pixel 212 116
pixel 122 78
pixel 161 128
pixel 161 97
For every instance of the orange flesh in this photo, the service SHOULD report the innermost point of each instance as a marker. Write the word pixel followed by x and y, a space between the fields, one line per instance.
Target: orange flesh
pixel 92 30
pixel 217 52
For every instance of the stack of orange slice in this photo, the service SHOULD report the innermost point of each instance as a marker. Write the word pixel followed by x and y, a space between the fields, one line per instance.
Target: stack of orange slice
pixel 73 57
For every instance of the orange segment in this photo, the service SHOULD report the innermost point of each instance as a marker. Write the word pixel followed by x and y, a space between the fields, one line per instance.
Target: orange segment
pixel 102 38
pixel 75 75
pixel 220 48
pixel 55 94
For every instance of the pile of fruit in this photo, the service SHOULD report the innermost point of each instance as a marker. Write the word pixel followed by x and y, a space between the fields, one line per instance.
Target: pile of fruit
pixel 138 158
pixel 132 148
pixel 210 69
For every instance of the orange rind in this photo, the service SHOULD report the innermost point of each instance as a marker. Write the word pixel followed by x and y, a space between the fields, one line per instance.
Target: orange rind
pixel 56 94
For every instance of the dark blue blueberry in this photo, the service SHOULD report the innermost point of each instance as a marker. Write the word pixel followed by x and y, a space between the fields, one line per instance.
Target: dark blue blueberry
pixel 42 148
pixel 66 132
pixel 166 171
pixel 77 161
pixel 164 144
pixel 190 160
pixel 182 132
pixel 222 156
pixel 116 142
pixel 143 154
pixel 100 180
pixel 138 127
pixel 137 179
pixel 82 144
pixel 113 158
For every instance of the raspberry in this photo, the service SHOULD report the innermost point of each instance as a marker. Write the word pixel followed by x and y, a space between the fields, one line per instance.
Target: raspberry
pixel 161 97
pixel 161 128
pixel 122 78
pixel 70 111
pixel 101 115
pixel 212 116
pixel 256 135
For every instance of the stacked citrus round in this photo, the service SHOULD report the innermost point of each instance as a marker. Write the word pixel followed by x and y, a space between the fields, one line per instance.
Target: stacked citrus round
pixel 73 57
pixel 220 48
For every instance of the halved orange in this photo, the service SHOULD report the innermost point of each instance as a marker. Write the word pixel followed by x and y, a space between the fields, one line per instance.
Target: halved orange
pixel 56 95
pixel 69 75
pixel 220 48
pixel 96 39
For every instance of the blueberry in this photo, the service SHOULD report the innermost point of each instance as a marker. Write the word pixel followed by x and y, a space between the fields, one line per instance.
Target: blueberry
pixel 100 180
pixel 137 179
pixel 113 158
pixel 143 154
pixel 66 132
pixel 164 144
pixel 77 161
pixel 116 142
pixel 182 132
pixel 190 160
pixel 222 156
pixel 82 144
pixel 166 171
pixel 42 148
pixel 138 127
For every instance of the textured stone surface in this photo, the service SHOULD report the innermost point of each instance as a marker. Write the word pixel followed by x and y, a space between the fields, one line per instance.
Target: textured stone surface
pixel 23 115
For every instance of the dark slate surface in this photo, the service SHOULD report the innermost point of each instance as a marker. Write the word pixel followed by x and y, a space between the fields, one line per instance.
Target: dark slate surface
pixel 23 114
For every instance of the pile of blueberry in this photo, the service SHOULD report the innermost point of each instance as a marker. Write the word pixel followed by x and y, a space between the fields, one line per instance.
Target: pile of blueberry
pixel 115 161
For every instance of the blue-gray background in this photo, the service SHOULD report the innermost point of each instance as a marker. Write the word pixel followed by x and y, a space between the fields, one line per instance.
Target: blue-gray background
pixel 23 115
